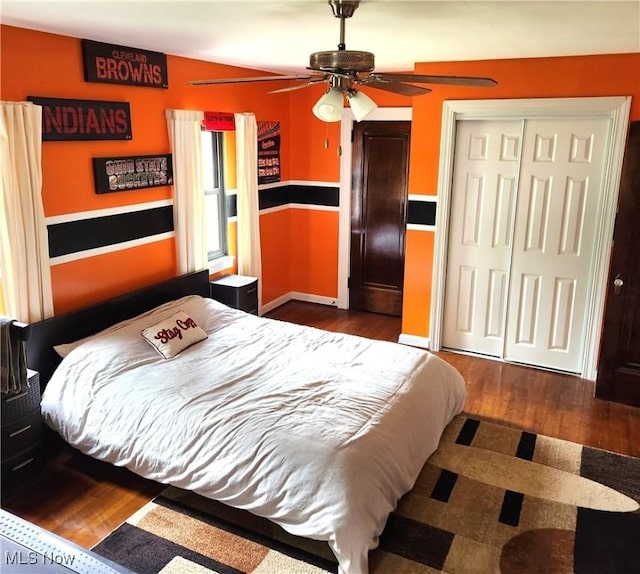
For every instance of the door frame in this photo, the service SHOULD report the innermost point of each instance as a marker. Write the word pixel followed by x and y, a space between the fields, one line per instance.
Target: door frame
pixel 344 212
pixel 617 110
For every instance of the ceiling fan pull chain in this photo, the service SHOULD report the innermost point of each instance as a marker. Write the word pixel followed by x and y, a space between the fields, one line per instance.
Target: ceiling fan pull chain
pixel 342 45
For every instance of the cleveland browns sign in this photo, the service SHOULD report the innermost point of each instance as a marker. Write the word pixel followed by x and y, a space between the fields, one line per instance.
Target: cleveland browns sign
pixel 111 64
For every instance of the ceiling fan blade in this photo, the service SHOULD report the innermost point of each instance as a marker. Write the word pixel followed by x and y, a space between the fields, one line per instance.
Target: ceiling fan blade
pixel 425 79
pixel 249 79
pixel 298 86
pixel 397 87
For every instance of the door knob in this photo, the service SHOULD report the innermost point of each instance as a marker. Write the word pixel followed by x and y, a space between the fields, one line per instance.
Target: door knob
pixel 617 284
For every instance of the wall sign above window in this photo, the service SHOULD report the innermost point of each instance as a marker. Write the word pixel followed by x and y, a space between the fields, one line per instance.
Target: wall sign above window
pixel 219 121
pixel 133 172
pixel 68 120
pixel 111 64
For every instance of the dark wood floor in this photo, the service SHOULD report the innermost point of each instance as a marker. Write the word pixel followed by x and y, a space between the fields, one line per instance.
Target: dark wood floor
pixel 83 500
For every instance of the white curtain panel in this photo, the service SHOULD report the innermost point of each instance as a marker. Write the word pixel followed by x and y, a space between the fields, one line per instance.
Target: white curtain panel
pixel 249 257
pixel 189 212
pixel 24 242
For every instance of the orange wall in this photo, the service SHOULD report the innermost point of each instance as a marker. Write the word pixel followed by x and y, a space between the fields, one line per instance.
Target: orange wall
pixel 582 76
pixel 315 156
pixel 275 229
pixel 40 64
pixel 314 252
pixel 299 246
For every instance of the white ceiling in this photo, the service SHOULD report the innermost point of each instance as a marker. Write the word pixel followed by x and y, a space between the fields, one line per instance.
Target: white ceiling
pixel 278 36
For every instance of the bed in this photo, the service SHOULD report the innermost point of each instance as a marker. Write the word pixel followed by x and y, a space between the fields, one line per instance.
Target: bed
pixel 319 432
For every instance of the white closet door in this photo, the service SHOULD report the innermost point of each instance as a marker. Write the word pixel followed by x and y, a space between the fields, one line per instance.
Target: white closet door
pixel 558 197
pixel 482 209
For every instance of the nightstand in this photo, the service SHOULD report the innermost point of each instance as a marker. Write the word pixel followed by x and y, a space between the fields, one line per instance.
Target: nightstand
pixel 22 430
pixel 237 291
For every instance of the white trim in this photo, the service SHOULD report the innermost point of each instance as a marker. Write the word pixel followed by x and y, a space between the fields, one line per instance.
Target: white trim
pixel 344 219
pixel 420 227
pixel 274 209
pixel 314 206
pixel 414 341
pixel 110 248
pixel 274 303
pixel 617 110
pixel 313 183
pixel 221 263
pixel 604 237
pixel 311 298
pixel 421 197
pixel 297 296
pixel 310 206
pixel 278 184
pixel 81 215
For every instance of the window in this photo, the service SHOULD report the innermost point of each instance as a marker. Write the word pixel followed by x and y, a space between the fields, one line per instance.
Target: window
pixel 212 143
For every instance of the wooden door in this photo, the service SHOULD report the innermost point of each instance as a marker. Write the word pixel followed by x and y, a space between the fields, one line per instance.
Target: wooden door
pixel 378 215
pixel 619 366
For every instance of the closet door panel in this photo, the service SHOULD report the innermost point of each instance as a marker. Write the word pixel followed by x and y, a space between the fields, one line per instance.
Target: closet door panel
pixel 480 235
pixel 556 211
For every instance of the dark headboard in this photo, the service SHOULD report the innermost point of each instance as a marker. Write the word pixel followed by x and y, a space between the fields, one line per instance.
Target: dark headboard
pixel 43 335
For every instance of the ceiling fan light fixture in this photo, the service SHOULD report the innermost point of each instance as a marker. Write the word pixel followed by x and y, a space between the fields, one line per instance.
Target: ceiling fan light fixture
pixel 329 107
pixel 361 105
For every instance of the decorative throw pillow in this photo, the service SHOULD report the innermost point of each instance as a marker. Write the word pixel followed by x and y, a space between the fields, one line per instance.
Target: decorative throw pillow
pixel 173 335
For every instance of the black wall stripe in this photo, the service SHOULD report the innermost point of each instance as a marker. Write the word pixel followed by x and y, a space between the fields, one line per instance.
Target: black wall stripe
pixel 74 236
pixel 468 432
pixel 274 197
pixel 418 212
pixel 304 194
pixel 421 212
pixel 314 195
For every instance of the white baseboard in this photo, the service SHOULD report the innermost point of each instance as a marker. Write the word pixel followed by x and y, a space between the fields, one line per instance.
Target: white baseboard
pixel 414 341
pixel 275 303
pixel 310 298
pixel 297 296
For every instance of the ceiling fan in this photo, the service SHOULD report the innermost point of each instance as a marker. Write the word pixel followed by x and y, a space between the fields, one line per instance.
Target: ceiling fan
pixel 344 69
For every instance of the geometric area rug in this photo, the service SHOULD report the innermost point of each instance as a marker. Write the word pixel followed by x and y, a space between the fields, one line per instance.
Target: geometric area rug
pixel 491 499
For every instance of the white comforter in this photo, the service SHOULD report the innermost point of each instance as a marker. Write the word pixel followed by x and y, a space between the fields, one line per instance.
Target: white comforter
pixel 319 432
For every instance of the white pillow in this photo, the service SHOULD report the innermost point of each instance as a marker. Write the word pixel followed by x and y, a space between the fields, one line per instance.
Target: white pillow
pixel 173 335
pixel 64 349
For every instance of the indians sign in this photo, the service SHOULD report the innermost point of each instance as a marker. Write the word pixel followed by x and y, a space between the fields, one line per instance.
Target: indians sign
pixel 65 120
